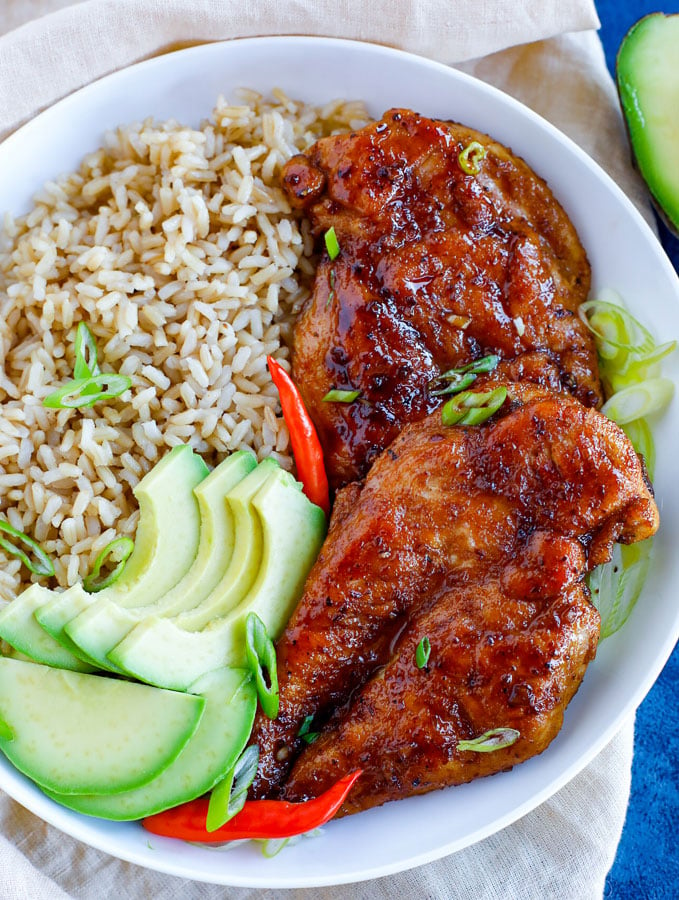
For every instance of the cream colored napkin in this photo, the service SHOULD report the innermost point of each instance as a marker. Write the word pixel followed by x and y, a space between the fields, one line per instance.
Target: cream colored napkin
pixel 564 848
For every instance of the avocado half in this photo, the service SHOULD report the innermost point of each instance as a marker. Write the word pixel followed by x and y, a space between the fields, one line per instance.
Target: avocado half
pixel 647 70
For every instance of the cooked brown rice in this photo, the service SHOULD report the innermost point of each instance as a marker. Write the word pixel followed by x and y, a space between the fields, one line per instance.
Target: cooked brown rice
pixel 178 249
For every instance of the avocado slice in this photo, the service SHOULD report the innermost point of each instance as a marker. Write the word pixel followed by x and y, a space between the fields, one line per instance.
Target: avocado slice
pixel 223 732
pixel 647 70
pixel 105 623
pixel 20 629
pixel 165 546
pixel 78 733
pixel 293 528
pixel 237 581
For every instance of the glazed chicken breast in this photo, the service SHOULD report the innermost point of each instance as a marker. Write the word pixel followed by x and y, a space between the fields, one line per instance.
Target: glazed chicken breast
pixel 436 267
pixel 479 538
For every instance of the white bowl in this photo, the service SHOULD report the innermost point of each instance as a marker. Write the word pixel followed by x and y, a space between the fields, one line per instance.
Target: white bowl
pixel 625 256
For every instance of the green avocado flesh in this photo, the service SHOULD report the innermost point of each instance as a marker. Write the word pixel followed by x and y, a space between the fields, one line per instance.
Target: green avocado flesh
pixel 648 84
pixel 81 734
pixel 105 623
pixel 165 547
pixel 230 705
pixel 160 652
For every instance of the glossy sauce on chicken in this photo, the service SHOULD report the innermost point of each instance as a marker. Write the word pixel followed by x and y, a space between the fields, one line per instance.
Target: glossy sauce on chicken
pixel 437 267
pixel 479 537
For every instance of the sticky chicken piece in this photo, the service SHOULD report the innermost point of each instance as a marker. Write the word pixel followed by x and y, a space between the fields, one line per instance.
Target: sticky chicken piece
pixel 436 268
pixel 446 508
pixel 498 660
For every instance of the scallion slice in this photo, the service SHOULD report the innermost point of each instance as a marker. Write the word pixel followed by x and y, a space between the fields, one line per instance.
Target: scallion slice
pixel 616 586
pixel 118 551
pixel 337 396
pixel 489 741
pixel 305 732
pixel 642 440
pixel 86 364
pixel 88 391
pixel 470 157
pixel 638 400
pixel 273 846
pixel 422 653
pixel 331 243
pixel 229 795
pixel 41 564
pixel 463 376
pixel 261 656
pixel 615 327
pixel 471 408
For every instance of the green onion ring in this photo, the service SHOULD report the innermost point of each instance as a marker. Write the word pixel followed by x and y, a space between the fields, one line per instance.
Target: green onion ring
pixel 229 795
pixel 119 551
pixel 422 653
pixel 332 244
pixel 489 741
pixel 338 396
pixel 261 656
pixel 86 364
pixel 470 408
pixel 631 326
pixel 78 393
pixel 639 400
pixel 43 565
pixel 616 586
pixel 305 732
pixel 642 440
pixel 463 376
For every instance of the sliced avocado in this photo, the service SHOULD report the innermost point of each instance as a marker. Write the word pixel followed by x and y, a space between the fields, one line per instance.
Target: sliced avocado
pixel 20 629
pixel 165 546
pixel 105 623
pixel 293 530
pixel 647 70
pixel 224 730
pixel 77 733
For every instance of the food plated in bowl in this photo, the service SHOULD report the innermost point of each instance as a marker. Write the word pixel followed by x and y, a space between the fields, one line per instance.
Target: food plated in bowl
pixel 452 818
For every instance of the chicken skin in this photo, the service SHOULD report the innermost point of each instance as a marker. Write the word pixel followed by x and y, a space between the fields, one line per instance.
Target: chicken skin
pixel 458 533
pixel 437 267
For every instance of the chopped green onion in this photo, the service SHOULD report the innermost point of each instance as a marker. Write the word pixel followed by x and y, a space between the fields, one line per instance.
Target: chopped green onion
pixel 460 378
pixel 471 156
pixel 614 326
pixel 332 244
pixel 79 393
pixel 40 565
pixel 336 396
pixel 305 733
pixel 229 795
pixel 273 846
pixel 261 656
pixel 422 653
pixel 470 408
pixel 6 733
pixel 616 586
pixel 86 363
pixel 643 399
pixel 489 741
pixel 118 551
pixel 642 440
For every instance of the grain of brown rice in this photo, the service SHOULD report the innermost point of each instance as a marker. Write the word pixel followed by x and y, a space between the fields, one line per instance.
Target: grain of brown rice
pixel 178 249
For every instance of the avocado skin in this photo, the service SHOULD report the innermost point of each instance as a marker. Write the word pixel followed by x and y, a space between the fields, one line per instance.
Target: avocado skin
pixel 647 75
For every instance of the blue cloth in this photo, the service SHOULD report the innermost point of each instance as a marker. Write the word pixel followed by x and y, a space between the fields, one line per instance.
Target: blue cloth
pixel 647 863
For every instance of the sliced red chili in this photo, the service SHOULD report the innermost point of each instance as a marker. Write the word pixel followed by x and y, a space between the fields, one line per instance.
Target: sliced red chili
pixel 306 446
pixel 258 819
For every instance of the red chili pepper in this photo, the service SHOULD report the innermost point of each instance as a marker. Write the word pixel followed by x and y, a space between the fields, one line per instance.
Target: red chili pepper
pixel 258 818
pixel 306 446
